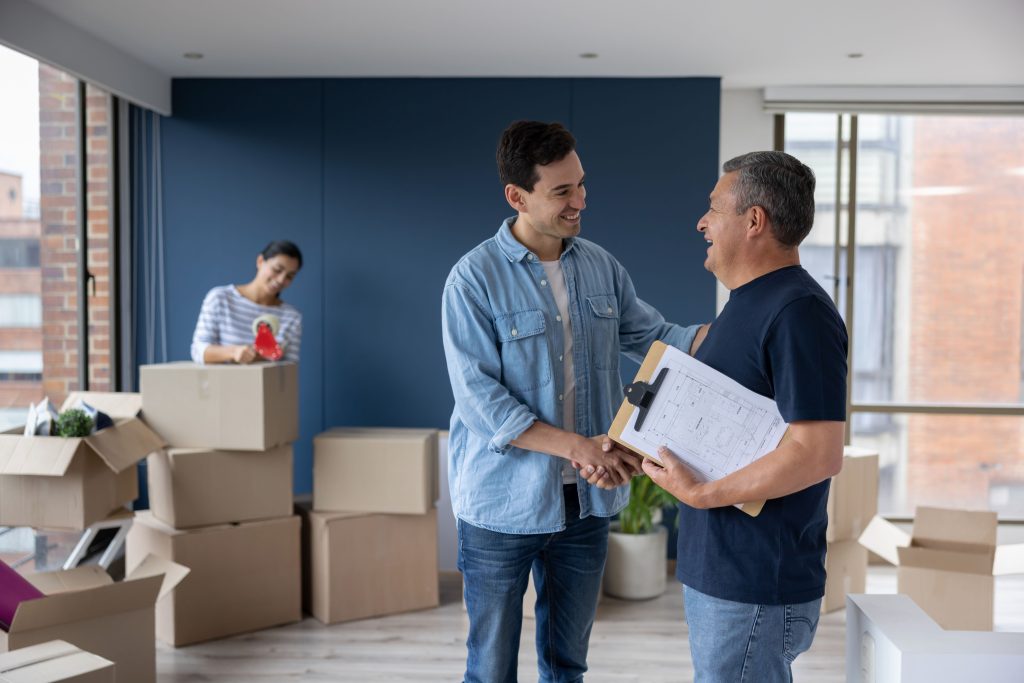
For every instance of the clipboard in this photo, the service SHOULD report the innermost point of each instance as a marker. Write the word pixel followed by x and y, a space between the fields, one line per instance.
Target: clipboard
pixel 640 395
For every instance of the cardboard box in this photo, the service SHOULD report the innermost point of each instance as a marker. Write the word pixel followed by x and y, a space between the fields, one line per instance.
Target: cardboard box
pixel 946 565
pixel 200 487
pixel 244 577
pixel 85 607
pixel 846 568
pixel 368 565
pixel 375 470
pixel 54 482
pixel 853 495
pixel 232 407
pixel 54 662
pixel 890 638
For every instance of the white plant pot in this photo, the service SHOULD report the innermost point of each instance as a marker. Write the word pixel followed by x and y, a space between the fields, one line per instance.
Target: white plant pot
pixel 637 564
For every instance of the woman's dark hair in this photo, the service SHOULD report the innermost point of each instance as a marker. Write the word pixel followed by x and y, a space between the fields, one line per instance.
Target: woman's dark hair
pixel 282 247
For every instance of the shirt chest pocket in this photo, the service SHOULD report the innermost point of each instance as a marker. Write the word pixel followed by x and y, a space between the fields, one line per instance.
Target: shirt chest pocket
pixel 525 358
pixel 603 312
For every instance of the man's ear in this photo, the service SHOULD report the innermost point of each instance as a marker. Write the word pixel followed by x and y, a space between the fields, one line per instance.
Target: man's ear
pixel 757 222
pixel 516 197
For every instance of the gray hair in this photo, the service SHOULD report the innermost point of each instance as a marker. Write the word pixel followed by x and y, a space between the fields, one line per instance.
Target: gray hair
pixel 781 185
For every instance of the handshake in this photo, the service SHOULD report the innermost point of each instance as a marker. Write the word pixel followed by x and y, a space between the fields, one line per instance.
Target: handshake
pixel 604 463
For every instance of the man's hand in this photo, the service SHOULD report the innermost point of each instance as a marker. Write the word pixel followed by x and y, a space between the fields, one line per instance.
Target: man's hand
pixel 243 355
pixel 676 478
pixel 603 464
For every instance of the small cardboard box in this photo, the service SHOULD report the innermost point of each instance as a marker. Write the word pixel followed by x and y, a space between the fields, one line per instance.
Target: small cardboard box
pixel 846 568
pixel 889 638
pixel 852 496
pixel 54 662
pixel 390 471
pixel 201 487
pixel 53 482
pixel 232 407
pixel 367 565
pixel 244 577
pixel 948 562
pixel 85 607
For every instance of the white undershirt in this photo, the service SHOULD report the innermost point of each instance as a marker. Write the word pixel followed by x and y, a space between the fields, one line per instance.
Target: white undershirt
pixel 556 280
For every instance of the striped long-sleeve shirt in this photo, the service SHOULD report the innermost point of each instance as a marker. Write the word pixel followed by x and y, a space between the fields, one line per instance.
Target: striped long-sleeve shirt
pixel 226 320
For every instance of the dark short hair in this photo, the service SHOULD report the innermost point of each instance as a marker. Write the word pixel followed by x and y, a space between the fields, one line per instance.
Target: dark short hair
pixel 525 145
pixel 781 185
pixel 283 247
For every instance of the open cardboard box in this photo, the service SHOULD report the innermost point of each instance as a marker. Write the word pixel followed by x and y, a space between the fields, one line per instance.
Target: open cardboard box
pixel 948 563
pixel 55 661
pixel 87 608
pixel 52 482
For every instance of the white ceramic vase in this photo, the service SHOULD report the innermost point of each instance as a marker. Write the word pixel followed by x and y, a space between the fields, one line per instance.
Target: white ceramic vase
pixel 637 565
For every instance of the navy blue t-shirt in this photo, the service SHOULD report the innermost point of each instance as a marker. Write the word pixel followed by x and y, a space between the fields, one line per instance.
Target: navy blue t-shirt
pixel 780 336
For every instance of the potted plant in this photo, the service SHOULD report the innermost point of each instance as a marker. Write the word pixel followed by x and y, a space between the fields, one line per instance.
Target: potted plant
pixel 637 566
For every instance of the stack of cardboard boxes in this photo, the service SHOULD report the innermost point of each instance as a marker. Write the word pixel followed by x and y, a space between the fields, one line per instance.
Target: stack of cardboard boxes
pixel 71 483
pixel 370 537
pixel 221 497
pixel 852 503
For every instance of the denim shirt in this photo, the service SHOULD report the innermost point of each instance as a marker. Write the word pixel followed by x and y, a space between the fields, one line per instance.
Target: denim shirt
pixel 503 344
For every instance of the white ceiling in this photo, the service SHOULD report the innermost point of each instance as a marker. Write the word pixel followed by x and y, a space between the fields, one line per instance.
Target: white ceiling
pixel 749 43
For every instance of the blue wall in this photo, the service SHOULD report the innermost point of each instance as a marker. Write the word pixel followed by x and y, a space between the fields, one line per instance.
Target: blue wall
pixel 385 183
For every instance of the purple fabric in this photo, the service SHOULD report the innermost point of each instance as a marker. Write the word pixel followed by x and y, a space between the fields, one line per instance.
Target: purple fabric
pixel 14 588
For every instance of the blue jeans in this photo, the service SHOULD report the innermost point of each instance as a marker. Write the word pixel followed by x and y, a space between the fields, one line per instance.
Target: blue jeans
pixel 567 569
pixel 736 642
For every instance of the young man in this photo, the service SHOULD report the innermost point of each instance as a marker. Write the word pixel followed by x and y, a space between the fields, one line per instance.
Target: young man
pixel 534 320
pixel 753 585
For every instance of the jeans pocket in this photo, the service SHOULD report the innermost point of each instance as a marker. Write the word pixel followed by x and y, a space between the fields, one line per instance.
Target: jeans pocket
pixel 801 624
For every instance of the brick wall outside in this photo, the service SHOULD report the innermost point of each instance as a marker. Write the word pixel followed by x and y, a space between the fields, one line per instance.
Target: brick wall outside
pixel 965 309
pixel 58 121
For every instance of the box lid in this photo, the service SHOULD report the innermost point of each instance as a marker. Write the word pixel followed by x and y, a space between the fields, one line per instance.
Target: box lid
pixel 25 657
pixel 79 578
pixel 115 404
pixel 125 444
pixel 396 433
pixel 976 562
pixel 951 529
pixel 47 456
pixel 151 565
pixel 884 538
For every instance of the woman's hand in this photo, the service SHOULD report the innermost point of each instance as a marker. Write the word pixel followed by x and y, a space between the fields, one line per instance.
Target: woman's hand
pixel 243 355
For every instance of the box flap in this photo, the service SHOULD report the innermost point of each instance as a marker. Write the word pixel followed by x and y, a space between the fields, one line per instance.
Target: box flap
pixel 1009 559
pixel 151 565
pixel 46 456
pixel 115 404
pixel 978 562
pixel 883 538
pixel 34 654
pixel 63 608
pixel 125 444
pixel 79 578
pixel 954 529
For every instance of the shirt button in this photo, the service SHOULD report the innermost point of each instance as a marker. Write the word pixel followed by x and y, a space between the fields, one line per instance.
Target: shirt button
pixel 514 331
pixel 543 283
pixel 609 310
pixel 559 359
pixel 529 257
pixel 559 397
pixel 558 318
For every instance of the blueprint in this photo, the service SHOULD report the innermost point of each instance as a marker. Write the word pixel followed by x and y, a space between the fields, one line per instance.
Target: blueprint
pixel 713 423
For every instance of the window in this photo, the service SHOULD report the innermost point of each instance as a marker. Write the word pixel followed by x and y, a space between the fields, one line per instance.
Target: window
pixel 937 311
pixel 54 235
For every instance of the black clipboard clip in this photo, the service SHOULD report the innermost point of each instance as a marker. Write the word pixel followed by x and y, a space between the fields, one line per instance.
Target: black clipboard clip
pixel 641 394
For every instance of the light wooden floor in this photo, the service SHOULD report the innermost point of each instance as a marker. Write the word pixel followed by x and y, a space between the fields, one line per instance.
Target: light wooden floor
pixel 632 642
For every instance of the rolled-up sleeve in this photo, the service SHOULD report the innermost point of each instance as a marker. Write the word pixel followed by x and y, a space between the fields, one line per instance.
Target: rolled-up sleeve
pixel 640 324
pixel 474 368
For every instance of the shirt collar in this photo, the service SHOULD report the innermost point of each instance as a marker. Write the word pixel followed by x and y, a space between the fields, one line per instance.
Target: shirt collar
pixel 513 249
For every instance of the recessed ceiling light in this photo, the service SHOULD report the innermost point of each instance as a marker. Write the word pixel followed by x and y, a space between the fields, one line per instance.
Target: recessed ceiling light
pixel 193 55
pixel 588 55
pixel 855 55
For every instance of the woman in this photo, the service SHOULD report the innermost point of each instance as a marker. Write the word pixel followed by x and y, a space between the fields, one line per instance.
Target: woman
pixel 224 333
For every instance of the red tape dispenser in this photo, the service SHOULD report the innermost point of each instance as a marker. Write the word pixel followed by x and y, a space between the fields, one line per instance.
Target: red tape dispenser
pixel 265 328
